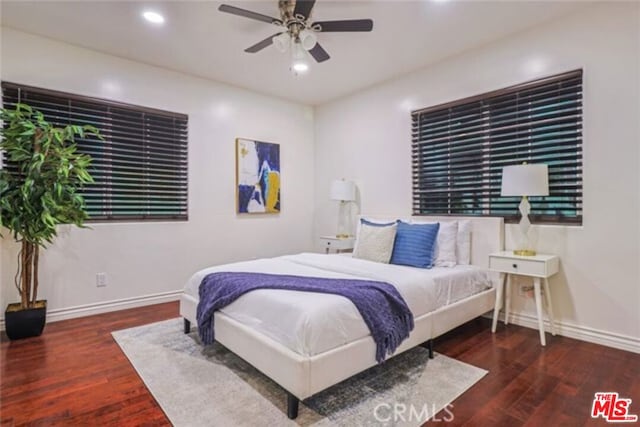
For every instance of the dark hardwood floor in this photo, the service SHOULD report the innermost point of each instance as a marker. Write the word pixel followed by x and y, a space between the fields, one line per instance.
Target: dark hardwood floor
pixel 75 374
pixel 531 385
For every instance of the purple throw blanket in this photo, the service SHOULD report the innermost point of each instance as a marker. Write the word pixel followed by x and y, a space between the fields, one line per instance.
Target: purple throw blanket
pixel 382 308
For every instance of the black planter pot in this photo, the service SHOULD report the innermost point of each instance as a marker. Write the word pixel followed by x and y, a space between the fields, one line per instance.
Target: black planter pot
pixel 25 323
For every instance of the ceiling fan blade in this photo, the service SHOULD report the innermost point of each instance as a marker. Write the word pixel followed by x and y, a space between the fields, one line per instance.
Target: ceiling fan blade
pixel 346 25
pixel 262 44
pixel 303 7
pixel 318 53
pixel 248 14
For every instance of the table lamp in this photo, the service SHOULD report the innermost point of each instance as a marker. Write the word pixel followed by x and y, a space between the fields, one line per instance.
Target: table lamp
pixel 344 192
pixel 525 180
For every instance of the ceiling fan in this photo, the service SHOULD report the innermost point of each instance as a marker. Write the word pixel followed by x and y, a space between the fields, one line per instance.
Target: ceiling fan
pixel 298 32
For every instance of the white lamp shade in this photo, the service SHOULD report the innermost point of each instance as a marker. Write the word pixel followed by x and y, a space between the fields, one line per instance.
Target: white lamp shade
pixel 299 58
pixel 343 190
pixel 282 42
pixel 308 39
pixel 297 51
pixel 525 180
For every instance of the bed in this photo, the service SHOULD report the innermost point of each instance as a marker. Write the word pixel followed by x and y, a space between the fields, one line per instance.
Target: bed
pixel 307 342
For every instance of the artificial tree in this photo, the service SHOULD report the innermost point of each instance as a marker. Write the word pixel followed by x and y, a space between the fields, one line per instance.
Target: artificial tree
pixel 39 187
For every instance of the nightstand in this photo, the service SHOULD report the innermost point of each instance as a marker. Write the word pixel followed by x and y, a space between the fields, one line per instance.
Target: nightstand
pixel 337 244
pixel 540 267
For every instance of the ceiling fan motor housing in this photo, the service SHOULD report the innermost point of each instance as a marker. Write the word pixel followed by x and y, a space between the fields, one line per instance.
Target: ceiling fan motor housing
pixel 294 24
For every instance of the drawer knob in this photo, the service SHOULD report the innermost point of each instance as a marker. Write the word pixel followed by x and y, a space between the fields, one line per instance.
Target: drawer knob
pixel 329 243
pixel 515 265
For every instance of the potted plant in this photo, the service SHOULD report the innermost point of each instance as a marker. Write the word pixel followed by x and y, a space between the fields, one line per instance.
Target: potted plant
pixel 39 189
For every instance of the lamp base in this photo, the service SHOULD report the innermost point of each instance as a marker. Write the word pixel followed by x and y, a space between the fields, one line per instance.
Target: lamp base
pixel 344 226
pixel 524 238
pixel 524 252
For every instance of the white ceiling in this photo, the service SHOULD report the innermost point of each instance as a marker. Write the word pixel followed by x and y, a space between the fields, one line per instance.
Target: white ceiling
pixel 199 40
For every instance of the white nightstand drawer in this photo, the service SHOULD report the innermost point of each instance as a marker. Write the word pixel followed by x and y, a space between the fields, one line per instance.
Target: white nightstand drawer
pixel 331 243
pixel 518 266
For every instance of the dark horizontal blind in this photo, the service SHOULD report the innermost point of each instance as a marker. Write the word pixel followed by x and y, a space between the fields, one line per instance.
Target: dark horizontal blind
pixel 460 148
pixel 140 169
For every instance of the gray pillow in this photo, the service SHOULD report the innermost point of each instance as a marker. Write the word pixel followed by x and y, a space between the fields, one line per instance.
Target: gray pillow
pixel 375 243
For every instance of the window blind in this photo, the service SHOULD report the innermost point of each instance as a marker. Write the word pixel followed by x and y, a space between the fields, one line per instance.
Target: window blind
pixel 460 148
pixel 140 169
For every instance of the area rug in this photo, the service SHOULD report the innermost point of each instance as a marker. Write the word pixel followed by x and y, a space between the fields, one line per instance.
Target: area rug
pixel 210 386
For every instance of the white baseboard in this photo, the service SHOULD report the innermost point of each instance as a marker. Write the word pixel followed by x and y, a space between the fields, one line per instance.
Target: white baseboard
pixel 107 306
pixel 583 333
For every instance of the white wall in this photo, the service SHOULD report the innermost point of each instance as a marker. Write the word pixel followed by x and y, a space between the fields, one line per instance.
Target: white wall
pixel 156 257
pixel 366 137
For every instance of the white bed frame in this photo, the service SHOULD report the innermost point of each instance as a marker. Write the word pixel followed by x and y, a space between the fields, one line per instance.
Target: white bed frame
pixel 303 376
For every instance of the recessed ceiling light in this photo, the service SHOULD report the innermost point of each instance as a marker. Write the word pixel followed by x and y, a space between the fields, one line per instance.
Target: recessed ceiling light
pixel 153 17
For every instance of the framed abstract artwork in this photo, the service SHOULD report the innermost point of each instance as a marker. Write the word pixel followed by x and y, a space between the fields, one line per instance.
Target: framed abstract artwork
pixel 257 177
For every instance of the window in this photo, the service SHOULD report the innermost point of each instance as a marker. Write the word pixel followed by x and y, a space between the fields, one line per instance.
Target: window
pixel 460 148
pixel 140 169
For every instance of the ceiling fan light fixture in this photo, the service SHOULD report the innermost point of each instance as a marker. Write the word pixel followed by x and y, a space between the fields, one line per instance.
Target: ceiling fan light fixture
pixel 153 17
pixel 299 58
pixel 299 67
pixel 282 42
pixel 308 39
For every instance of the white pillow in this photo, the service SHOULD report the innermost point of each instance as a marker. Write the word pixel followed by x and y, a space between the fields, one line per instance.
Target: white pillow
pixel 464 242
pixel 375 243
pixel 446 245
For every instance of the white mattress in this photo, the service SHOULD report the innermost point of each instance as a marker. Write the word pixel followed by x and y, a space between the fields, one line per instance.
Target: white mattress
pixel 312 323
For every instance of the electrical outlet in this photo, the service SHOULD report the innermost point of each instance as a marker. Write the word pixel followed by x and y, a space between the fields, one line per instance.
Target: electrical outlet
pixel 526 291
pixel 101 279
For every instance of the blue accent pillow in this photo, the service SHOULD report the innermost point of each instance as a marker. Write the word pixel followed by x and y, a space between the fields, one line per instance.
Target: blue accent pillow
pixel 415 244
pixel 377 224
